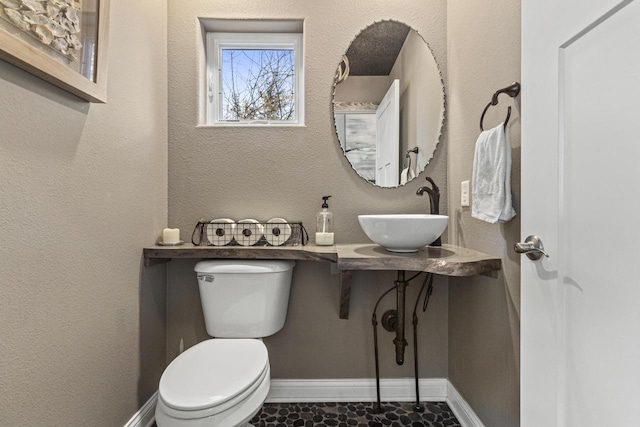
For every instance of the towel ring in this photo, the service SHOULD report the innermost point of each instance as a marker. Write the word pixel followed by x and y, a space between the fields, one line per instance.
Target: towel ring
pixel 485 112
pixel 408 155
pixel 512 91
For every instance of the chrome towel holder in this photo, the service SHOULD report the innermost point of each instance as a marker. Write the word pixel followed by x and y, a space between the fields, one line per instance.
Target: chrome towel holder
pixel 512 91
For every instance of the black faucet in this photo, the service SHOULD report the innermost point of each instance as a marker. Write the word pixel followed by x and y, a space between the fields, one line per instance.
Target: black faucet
pixel 434 202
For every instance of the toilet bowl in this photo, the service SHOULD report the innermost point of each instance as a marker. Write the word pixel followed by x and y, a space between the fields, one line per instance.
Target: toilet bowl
pixel 218 382
pixel 224 381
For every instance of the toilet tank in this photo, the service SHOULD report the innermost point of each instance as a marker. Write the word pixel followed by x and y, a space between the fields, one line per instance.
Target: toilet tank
pixel 244 298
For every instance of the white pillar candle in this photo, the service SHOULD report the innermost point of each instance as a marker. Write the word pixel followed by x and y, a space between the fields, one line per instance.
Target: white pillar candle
pixel 171 235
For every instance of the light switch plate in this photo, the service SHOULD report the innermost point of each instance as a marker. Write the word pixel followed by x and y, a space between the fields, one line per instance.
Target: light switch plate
pixel 464 193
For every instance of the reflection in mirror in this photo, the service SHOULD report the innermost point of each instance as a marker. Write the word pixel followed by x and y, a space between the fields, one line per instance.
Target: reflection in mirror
pixel 388 104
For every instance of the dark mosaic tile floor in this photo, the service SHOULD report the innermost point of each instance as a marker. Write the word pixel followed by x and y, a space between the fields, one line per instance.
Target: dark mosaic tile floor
pixel 436 414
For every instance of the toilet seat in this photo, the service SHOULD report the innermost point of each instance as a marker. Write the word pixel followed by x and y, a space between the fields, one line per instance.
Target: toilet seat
pixel 213 376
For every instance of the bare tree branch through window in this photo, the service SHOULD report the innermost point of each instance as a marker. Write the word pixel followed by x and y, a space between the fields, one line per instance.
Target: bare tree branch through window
pixel 258 84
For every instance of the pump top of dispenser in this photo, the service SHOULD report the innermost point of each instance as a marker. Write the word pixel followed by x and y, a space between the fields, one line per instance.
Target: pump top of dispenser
pixel 325 199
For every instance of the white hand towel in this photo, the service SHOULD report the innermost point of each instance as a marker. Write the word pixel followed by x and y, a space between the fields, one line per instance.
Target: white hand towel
pixel 406 175
pixel 220 231
pixel 277 231
pixel 403 176
pixel 491 179
pixel 248 232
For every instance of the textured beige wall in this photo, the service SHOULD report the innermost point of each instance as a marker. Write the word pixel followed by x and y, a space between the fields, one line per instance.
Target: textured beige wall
pixel 84 188
pixel 267 172
pixel 484 314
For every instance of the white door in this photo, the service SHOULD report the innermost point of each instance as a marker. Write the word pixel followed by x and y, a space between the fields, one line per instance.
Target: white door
pixel 580 325
pixel 388 138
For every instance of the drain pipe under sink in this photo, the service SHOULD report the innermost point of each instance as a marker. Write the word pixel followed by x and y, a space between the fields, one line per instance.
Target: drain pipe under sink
pixel 394 320
pixel 400 341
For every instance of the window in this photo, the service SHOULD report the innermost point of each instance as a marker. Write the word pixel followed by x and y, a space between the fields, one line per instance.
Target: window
pixel 255 78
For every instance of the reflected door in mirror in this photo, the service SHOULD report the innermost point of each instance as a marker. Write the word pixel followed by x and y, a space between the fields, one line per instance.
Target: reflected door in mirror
pixel 388 138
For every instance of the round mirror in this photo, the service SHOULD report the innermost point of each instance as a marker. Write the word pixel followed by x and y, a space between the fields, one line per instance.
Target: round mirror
pixel 388 104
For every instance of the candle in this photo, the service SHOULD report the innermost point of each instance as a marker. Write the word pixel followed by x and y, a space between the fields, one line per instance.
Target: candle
pixel 171 235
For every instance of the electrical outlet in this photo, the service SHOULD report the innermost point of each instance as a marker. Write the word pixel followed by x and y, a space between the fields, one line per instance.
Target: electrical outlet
pixel 464 193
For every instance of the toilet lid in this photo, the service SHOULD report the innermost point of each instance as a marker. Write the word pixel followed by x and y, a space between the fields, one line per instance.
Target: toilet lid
pixel 212 373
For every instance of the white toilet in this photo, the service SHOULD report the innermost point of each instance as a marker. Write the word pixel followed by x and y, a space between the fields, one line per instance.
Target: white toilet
pixel 224 381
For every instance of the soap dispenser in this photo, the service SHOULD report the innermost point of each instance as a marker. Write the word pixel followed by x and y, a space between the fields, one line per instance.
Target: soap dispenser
pixel 324 225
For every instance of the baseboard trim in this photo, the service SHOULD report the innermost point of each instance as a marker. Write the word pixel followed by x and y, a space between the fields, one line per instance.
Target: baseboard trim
pixel 356 390
pixel 146 415
pixel 349 390
pixel 462 410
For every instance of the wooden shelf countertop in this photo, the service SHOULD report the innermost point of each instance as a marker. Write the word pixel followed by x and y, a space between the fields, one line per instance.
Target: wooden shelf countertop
pixel 447 260
pixel 157 254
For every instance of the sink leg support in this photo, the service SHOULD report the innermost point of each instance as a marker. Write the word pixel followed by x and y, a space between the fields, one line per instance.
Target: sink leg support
pixel 377 407
pixel 418 407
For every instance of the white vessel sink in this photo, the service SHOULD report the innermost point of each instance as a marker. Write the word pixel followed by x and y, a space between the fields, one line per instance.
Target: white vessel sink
pixel 403 232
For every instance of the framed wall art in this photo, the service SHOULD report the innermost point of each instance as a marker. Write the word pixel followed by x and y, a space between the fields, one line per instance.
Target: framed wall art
pixel 61 41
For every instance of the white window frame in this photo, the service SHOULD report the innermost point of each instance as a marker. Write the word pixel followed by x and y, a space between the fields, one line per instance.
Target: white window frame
pixel 217 41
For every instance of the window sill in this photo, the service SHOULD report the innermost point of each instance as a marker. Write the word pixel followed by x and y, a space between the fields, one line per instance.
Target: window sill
pixel 247 125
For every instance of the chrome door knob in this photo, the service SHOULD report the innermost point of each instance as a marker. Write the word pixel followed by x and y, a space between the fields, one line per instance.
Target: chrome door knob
pixel 532 247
